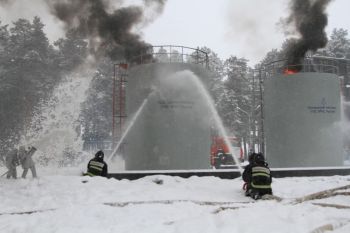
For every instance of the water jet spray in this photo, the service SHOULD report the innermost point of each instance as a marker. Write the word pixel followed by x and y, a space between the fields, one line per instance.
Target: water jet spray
pixel 131 123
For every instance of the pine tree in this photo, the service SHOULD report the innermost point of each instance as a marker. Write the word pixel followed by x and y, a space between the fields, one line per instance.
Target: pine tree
pixel 236 101
pixel 72 51
pixel 338 45
pixel 96 115
pixel 27 76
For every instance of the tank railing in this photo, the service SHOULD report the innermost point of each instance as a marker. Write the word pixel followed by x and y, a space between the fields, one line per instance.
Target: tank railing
pixel 309 66
pixel 172 54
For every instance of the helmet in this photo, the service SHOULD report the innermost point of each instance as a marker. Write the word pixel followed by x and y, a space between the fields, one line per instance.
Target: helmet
pixel 259 158
pixel 99 154
pixel 251 157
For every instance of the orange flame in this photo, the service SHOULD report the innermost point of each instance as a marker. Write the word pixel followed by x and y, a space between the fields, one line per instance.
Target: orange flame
pixel 289 71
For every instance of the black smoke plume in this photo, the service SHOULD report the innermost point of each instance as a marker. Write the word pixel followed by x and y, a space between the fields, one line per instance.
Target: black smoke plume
pixel 108 29
pixel 309 19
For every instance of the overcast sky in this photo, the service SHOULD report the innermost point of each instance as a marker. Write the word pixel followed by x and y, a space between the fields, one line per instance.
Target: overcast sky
pixel 245 28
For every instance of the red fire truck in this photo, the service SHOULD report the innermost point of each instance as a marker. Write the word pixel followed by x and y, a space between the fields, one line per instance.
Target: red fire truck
pixel 220 154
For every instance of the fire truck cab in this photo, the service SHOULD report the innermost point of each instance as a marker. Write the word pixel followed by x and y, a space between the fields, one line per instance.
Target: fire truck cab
pixel 220 154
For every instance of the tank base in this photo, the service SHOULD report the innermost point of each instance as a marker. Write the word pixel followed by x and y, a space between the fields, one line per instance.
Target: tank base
pixel 234 173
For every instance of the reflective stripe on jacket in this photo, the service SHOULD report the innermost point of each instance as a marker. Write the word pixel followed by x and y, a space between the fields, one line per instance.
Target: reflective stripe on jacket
pixel 261 177
pixel 96 168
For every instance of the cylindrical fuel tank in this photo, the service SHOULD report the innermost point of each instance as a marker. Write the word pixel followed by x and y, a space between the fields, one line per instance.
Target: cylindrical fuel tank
pixel 173 129
pixel 301 120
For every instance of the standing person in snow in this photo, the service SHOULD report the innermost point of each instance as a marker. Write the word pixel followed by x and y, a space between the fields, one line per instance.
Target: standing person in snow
pixel 12 162
pixel 27 161
pixel 257 177
pixel 96 166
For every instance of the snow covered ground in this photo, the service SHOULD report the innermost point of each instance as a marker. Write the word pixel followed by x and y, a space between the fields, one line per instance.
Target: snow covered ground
pixel 71 203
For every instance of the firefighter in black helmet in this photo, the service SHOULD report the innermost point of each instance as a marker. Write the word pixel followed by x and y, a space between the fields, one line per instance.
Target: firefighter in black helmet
pixel 96 166
pixel 257 177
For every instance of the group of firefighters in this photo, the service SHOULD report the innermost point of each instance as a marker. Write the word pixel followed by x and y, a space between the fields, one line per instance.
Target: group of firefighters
pixel 17 157
pixel 256 175
pixel 21 156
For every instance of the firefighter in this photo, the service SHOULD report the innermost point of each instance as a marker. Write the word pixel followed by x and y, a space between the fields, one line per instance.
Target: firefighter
pixel 96 166
pixel 12 162
pixel 257 177
pixel 26 160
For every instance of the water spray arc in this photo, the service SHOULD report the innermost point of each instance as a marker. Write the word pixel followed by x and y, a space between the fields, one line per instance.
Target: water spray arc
pixel 216 116
pixel 52 130
pixel 131 123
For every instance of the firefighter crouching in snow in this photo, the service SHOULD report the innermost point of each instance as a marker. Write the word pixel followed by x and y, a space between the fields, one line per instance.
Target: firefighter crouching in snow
pixel 12 162
pixel 96 166
pixel 257 177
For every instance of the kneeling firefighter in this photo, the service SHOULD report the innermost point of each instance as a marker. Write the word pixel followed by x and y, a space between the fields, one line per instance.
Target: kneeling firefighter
pixel 96 166
pixel 257 177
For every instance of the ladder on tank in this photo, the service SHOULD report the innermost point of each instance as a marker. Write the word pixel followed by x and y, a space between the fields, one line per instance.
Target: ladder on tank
pixel 119 104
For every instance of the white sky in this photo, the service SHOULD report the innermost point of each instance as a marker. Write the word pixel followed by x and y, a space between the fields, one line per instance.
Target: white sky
pixel 244 28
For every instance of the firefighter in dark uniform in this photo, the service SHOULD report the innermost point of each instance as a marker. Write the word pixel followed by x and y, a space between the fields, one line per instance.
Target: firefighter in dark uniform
pixel 11 162
pixel 257 177
pixel 96 166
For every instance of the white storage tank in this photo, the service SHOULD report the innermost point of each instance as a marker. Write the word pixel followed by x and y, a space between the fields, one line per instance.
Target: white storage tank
pixel 173 129
pixel 301 120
